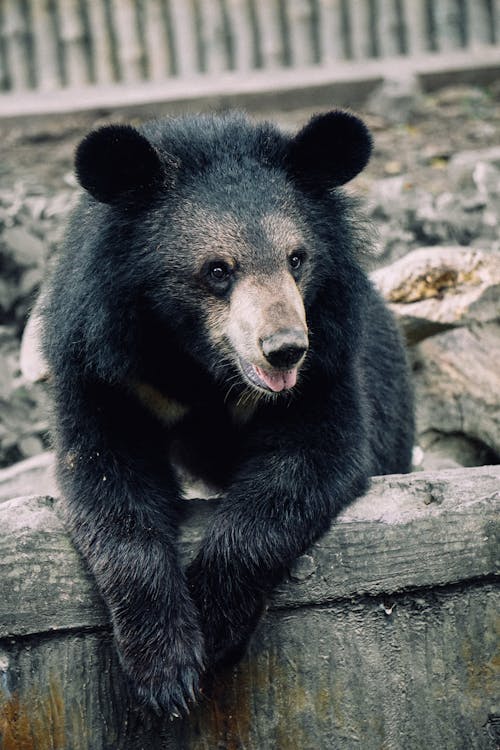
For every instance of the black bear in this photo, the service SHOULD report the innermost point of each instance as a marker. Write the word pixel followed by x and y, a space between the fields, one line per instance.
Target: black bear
pixel 209 318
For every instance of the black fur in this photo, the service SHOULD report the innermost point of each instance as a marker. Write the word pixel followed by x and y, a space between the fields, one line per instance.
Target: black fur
pixel 116 161
pixel 330 150
pixel 127 304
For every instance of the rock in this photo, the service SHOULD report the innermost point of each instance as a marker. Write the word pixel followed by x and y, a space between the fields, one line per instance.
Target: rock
pixel 444 219
pixel 460 93
pixel 30 281
pixel 436 288
pixel 462 165
pixel 457 385
pixel 5 378
pixel 23 406
pixel 30 445
pixel 8 296
pixel 396 99
pixel 387 196
pixel 32 476
pixel 25 249
pixel 440 451
pixel 486 178
pixel 8 361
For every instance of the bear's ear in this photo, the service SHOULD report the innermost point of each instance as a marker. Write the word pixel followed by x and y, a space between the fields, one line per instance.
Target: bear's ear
pixel 329 151
pixel 116 161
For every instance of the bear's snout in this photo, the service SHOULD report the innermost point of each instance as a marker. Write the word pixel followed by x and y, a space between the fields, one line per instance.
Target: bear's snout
pixel 285 348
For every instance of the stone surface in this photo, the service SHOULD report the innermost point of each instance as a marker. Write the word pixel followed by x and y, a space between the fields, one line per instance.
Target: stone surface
pixel 457 384
pixel 447 300
pixel 34 475
pixel 25 248
pixel 397 98
pixel 435 288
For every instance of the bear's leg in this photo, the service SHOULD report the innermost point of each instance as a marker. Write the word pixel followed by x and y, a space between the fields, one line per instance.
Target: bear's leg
pixel 121 498
pixel 281 502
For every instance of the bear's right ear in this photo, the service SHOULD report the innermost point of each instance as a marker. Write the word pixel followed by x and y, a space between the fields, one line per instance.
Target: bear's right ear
pixel 329 151
pixel 115 162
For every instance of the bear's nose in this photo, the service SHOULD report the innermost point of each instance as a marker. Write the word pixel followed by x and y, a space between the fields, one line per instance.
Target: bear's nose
pixel 284 348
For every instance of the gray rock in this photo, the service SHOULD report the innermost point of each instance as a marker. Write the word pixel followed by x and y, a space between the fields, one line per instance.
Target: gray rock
pixel 30 445
pixel 462 165
pixel 8 295
pixel 396 99
pixel 435 288
pixel 25 249
pixel 486 179
pixel 30 281
pixel 441 451
pixel 457 384
pixel 33 475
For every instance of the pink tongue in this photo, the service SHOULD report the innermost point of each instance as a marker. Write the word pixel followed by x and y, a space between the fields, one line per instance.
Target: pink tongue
pixel 277 381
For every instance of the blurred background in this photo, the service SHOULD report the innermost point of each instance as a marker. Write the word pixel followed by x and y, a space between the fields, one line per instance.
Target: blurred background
pixel 425 74
pixel 49 44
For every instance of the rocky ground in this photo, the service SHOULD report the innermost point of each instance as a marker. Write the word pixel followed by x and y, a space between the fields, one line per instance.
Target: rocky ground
pixel 434 182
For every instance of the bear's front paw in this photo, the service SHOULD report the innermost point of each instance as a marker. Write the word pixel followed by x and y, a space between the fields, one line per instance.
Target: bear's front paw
pixel 228 643
pixel 164 672
pixel 228 616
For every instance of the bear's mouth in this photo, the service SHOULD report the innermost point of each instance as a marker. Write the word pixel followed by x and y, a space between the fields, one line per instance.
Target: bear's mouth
pixel 272 381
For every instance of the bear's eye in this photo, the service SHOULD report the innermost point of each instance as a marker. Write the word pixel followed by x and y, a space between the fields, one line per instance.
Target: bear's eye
pixel 219 271
pixel 296 259
pixel 218 275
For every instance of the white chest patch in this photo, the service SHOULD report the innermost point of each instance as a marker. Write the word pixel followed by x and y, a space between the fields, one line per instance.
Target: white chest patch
pixel 194 488
pixel 242 412
pixel 166 409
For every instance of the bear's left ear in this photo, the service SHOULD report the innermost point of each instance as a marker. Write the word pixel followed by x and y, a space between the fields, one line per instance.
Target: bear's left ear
pixel 329 151
pixel 116 162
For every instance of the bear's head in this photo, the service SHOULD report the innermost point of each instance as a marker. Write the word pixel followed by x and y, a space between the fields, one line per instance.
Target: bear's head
pixel 230 230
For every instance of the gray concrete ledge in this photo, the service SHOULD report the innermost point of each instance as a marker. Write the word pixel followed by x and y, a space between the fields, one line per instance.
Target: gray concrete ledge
pixel 342 84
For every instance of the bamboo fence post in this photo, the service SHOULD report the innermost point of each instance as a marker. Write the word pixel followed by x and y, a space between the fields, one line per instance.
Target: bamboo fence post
pixel 496 21
pixel 44 25
pixel 417 38
pixel 300 25
pixel 74 43
pixel 241 34
pixel 361 46
pixel 330 31
pixel 15 34
pixel 388 41
pixel 447 23
pixel 130 52
pixel 5 82
pixel 479 23
pixel 213 37
pixel 100 35
pixel 386 28
pixel 183 28
pixel 269 33
pixel 157 40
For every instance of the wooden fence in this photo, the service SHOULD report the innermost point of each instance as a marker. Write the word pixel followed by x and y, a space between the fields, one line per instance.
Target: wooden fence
pixel 49 44
pixel 383 638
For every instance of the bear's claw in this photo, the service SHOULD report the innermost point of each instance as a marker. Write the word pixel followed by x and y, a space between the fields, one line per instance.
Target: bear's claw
pixel 174 698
